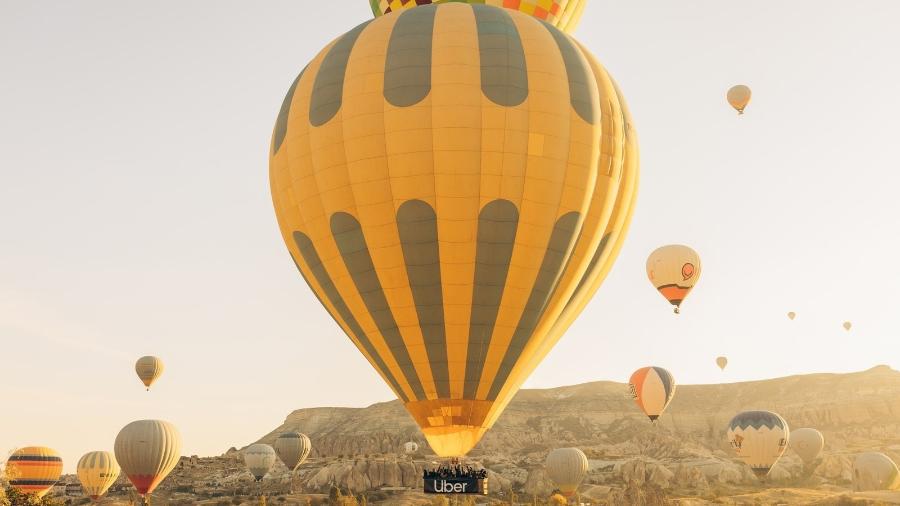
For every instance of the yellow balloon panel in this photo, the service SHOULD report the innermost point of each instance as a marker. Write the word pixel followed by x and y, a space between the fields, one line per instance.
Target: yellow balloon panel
pixel 442 178
pixel 34 469
pixel 563 14
pixel 674 270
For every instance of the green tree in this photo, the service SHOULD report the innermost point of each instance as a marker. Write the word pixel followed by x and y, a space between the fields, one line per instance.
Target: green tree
pixel 16 498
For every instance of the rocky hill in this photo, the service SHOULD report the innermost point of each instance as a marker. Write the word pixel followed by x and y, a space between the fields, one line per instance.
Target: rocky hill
pixel 682 459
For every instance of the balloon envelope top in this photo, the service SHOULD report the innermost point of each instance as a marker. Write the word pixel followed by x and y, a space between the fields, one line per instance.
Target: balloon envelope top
pixel 563 14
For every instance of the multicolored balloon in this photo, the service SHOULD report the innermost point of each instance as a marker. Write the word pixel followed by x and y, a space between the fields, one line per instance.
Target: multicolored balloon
pixel 566 467
pixel 419 181
pixel 34 469
pixel 653 389
pixel 739 97
pixel 147 451
pixel 674 270
pixel 563 14
pixel 97 471
pixel 758 438
pixel 808 444
pixel 149 369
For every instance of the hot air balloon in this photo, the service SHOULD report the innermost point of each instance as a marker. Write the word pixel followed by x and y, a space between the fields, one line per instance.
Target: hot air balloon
pixel 410 447
pixel 259 458
pixel 97 471
pixel 674 270
pixel 848 326
pixel 759 439
pixel 147 451
pixel 808 444
pixel 292 449
pixel 567 468
pixel 792 315
pixel 875 471
pixel 148 369
pixel 34 469
pixel 398 173
pixel 722 362
pixel 739 96
pixel 652 389
pixel 563 14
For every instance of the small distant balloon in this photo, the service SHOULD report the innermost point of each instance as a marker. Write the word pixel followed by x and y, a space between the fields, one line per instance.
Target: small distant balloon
pixel 808 444
pixel 410 447
pixel 792 315
pixel 758 438
pixel 566 467
pixel 260 459
pixel 848 326
pixel 739 96
pixel 674 270
pixel 148 369
pixel 97 471
pixel 722 362
pixel 292 448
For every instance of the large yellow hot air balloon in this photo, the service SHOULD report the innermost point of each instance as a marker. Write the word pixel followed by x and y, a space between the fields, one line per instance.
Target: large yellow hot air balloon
pixel 563 14
pixel 739 96
pixel 808 444
pixel 875 471
pixel 567 468
pixel 148 369
pixel 147 451
pixel 34 469
pixel 759 439
pixel 292 449
pixel 652 389
pixel 97 471
pixel 453 182
pixel 674 270
pixel 722 362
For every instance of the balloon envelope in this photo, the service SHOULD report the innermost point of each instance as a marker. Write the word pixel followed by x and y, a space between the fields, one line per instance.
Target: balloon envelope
pixel 674 270
pixel 652 389
pixel 259 458
pixel 808 443
pixel 563 14
pixel 739 96
pixel 848 325
pixel 34 469
pixel 148 369
pixel 792 315
pixel 758 438
pixel 444 182
pixel 97 471
pixel 147 451
pixel 410 447
pixel 292 449
pixel 567 468
pixel 875 471
pixel 722 362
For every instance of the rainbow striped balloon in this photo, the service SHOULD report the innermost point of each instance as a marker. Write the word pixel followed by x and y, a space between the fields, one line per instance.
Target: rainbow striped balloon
pixel 34 469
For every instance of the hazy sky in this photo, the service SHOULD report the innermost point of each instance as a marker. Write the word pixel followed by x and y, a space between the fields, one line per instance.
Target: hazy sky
pixel 135 214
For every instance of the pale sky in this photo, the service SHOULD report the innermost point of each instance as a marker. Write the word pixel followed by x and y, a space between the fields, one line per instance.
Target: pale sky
pixel 136 216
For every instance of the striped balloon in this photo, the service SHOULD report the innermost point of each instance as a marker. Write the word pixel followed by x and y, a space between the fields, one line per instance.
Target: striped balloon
pixel 292 449
pixel 652 389
pixel 758 438
pixel 563 14
pixel 454 182
pixel 97 471
pixel 148 369
pixel 148 450
pixel 259 458
pixel 34 469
